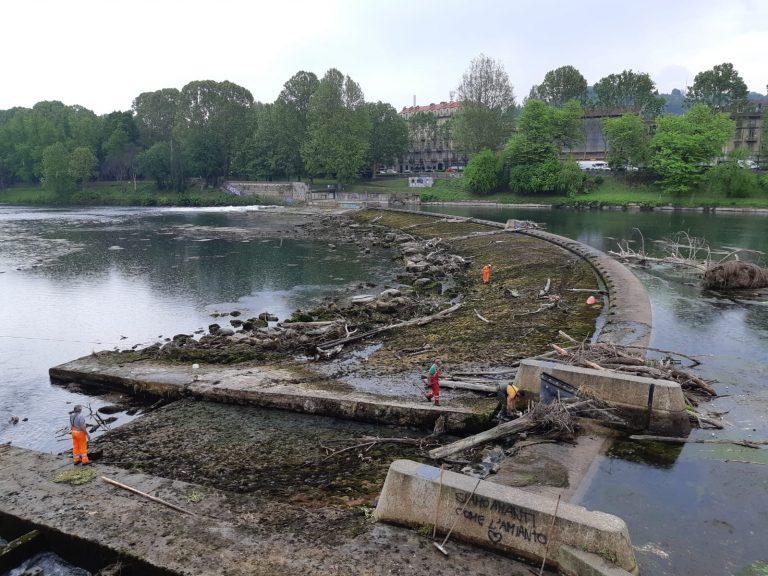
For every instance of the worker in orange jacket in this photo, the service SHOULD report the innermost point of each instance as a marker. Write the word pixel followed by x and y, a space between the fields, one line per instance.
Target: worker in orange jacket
pixel 486 274
pixel 80 436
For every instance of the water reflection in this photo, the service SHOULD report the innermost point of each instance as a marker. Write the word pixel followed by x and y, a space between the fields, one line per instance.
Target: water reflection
pixel 157 284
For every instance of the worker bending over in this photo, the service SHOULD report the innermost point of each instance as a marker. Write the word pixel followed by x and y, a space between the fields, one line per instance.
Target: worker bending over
pixel 486 274
pixel 433 378
pixel 80 436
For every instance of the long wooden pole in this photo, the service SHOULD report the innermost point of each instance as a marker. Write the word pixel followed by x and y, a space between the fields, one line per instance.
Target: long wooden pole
pixel 147 496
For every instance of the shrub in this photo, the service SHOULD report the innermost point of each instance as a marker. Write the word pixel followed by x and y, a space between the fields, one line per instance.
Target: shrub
pixel 482 172
pixel 570 180
pixel 764 183
pixel 731 180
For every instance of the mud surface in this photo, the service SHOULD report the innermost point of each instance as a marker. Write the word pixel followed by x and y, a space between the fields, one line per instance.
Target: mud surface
pixel 274 454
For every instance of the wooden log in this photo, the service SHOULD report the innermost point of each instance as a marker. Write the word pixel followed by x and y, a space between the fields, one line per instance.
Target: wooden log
pixel 147 496
pixel 522 424
pixel 413 322
pixel 525 422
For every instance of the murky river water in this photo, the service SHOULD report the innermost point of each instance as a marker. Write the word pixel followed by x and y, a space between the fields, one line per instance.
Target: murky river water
pixel 689 511
pixel 106 274
pixel 118 277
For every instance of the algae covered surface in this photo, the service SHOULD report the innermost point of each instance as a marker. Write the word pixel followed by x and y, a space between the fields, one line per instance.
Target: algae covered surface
pixel 274 454
pixel 521 267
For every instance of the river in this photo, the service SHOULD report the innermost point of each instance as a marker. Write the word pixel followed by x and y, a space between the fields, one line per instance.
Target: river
pixel 74 281
pixel 689 511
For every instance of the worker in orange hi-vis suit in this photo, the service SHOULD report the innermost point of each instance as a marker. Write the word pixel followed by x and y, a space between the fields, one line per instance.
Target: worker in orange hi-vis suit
pixel 80 436
pixel 486 274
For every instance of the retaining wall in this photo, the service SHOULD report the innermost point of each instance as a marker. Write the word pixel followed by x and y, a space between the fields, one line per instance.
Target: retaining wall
pixel 499 517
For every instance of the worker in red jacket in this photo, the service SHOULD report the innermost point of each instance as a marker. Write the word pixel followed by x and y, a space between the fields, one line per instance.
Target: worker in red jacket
pixel 433 377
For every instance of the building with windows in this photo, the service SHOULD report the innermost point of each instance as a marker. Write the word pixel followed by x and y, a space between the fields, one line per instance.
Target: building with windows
pixel 429 145
pixel 750 129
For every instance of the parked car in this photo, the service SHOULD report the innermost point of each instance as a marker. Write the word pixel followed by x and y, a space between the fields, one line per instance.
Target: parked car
pixel 593 165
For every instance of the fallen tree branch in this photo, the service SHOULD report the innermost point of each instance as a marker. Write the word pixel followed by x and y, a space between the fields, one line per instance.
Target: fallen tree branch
pixel 483 318
pixel 147 496
pixel 413 322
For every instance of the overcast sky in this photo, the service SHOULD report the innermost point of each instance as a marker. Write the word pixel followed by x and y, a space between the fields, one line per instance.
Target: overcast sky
pixel 101 54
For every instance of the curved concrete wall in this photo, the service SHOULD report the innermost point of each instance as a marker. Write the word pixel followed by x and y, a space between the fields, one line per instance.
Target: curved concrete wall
pixel 629 320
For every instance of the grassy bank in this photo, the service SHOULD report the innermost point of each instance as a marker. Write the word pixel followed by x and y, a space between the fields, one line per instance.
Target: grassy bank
pixel 122 194
pixel 610 192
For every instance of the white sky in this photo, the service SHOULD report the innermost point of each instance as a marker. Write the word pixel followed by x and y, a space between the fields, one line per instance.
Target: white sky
pixel 101 54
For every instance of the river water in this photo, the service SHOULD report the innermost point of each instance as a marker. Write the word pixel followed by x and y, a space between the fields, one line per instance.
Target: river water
pixel 73 281
pixel 689 511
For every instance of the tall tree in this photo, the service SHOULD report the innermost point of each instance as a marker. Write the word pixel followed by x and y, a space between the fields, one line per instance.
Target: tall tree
pixel 389 134
pixel 214 123
pixel 683 146
pixel 628 139
pixel 487 104
pixel 55 168
pixel 156 114
pixel 561 85
pixel 338 134
pixel 82 165
pixel 721 88
pixel 629 92
pixel 532 155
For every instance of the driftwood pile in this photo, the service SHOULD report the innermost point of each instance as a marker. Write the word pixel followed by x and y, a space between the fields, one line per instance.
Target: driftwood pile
pixel 735 275
pixel 553 420
pixel 727 272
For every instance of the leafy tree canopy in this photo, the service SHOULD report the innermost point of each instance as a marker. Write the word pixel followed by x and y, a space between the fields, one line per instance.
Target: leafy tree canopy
pixel 721 88
pixel 631 92
pixel 561 85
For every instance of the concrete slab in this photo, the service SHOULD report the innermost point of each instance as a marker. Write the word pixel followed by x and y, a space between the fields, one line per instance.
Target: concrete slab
pixel 230 533
pixel 499 517
pixel 574 562
pixel 646 403
pixel 270 387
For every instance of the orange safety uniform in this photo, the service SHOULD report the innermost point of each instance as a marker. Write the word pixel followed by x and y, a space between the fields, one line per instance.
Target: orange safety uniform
pixel 79 438
pixel 486 274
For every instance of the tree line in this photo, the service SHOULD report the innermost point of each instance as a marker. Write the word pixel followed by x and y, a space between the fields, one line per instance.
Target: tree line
pixel 207 130
pixel 522 150
pixel 323 127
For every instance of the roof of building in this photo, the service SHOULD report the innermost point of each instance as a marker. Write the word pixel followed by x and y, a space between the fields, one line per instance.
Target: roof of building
pixel 431 107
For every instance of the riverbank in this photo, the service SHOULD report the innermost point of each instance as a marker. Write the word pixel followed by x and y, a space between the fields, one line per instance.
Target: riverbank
pixel 123 194
pixel 610 192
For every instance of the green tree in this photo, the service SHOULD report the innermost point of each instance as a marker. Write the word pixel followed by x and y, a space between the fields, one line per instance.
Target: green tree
pixel 55 168
pixel 561 85
pixel 684 146
pixel 389 135
pixel 631 92
pixel 338 134
pixel 156 114
pixel 214 122
pixel 721 88
pixel 487 105
pixel 628 139
pixel 289 120
pixel 155 163
pixel 82 165
pixel 483 172
pixel 532 155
